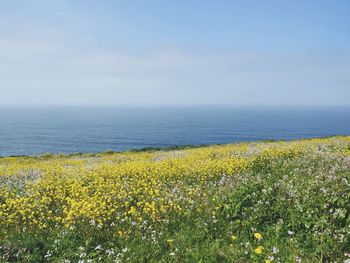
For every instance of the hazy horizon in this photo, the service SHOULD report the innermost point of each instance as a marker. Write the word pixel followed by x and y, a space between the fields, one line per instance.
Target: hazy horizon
pixel 126 106
pixel 197 53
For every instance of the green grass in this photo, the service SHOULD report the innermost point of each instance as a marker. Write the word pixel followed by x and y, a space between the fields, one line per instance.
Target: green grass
pixel 300 205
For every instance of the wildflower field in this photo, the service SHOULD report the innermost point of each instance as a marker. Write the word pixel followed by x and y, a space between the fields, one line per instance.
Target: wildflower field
pixel 247 202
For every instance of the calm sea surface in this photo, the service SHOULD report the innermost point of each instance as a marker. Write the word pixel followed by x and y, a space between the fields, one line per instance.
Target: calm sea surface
pixel 29 131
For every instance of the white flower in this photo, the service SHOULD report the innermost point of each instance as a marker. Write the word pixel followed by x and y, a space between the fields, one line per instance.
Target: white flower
pixel 172 254
pixel 99 247
pixel 110 252
pixel 48 254
pixel 275 250
pixel 290 232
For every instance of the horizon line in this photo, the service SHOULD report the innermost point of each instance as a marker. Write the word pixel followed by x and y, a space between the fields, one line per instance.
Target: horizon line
pixel 170 105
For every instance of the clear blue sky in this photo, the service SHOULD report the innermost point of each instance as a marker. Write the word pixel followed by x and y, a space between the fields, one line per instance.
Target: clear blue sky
pixel 116 53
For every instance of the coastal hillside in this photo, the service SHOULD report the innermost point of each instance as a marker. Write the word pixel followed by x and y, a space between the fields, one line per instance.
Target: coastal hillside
pixel 247 202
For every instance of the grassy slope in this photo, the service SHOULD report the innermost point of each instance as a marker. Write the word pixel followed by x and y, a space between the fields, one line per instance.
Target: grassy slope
pixel 296 195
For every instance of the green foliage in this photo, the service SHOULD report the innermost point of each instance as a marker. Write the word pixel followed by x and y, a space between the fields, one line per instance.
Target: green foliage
pixel 299 203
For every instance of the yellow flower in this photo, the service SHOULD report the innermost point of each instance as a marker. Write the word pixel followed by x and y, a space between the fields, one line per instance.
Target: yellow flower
pixel 267 261
pixel 121 233
pixel 233 237
pixel 258 236
pixel 259 250
pixel 170 241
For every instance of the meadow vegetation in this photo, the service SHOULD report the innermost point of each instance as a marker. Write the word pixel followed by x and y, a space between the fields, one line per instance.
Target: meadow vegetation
pixel 247 202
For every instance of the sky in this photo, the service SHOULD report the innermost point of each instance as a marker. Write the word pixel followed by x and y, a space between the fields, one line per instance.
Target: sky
pixel 184 52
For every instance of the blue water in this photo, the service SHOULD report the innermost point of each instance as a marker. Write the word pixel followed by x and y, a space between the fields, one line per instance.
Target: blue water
pixel 30 131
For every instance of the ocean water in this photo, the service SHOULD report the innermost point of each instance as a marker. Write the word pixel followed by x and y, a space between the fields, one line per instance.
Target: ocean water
pixel 31 131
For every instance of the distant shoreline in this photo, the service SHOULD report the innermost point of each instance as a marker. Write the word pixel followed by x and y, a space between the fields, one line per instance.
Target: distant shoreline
pixel 164 148
pixel 37 131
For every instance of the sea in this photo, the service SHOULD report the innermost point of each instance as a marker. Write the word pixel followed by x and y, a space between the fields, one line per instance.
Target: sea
pixel 40 130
